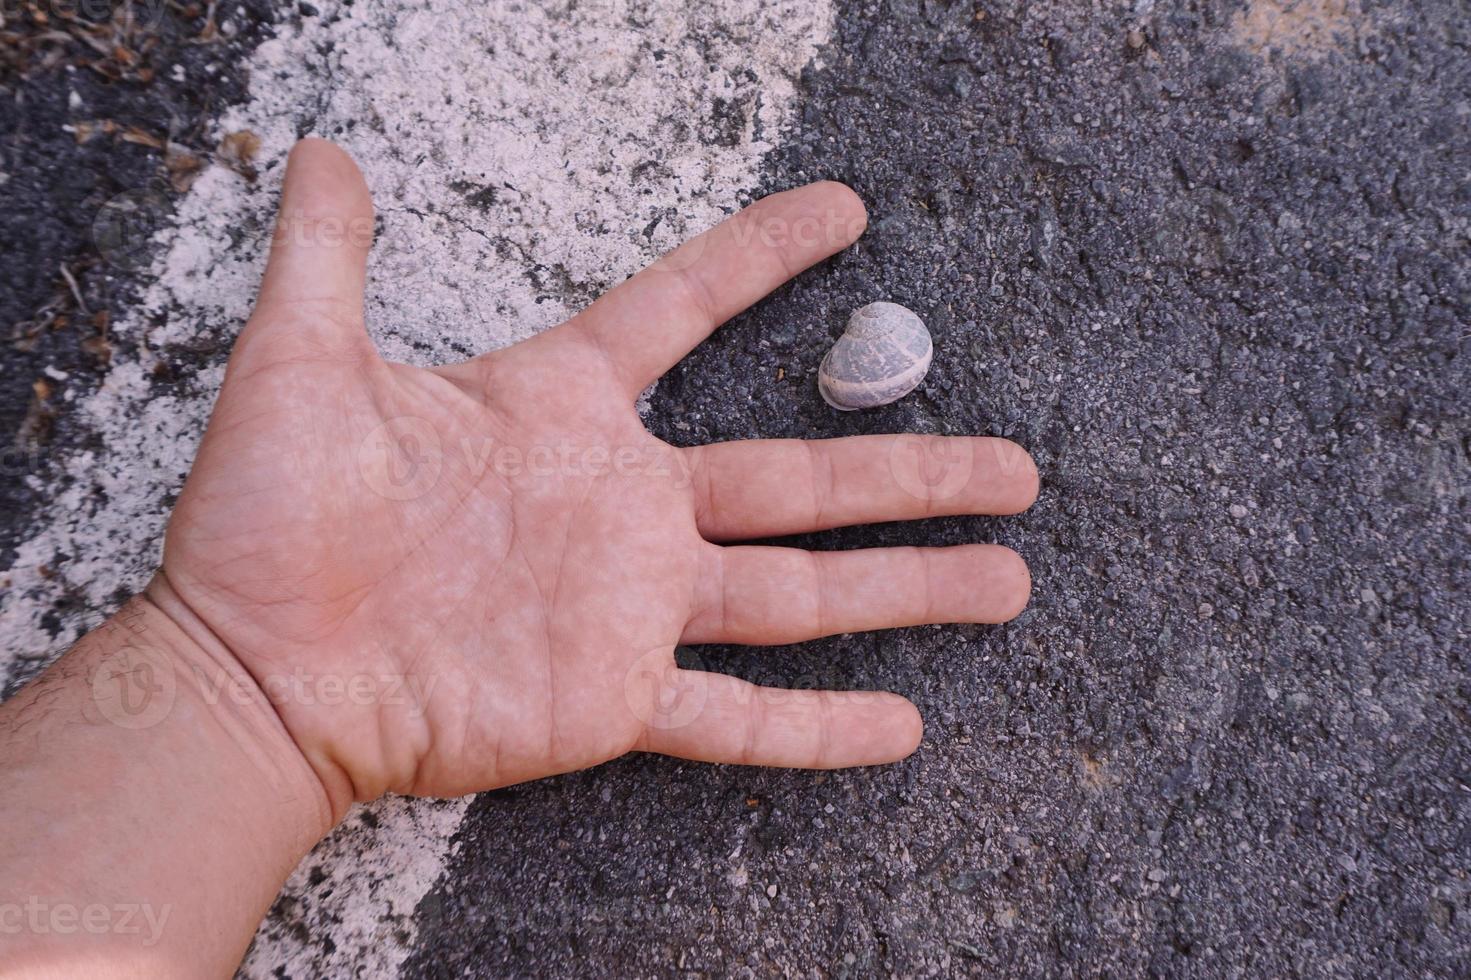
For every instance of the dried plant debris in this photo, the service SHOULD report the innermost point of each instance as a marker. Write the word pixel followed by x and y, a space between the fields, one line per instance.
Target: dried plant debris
pixel 65 305
pixel 116 40
pixel 36 427
pixel 182 166
pixel 237 151
pixel 181 163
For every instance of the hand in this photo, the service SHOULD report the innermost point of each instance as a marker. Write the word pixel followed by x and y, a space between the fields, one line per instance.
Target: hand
pixel 457 578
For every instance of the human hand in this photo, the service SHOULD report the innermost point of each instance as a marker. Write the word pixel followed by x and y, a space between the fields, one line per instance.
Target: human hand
pixel 492 562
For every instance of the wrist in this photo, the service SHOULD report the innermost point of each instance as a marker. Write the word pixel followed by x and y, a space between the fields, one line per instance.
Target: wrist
pixel 144 773
pixel 210 679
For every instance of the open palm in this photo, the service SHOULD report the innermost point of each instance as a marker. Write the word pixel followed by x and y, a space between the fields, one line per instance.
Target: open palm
pixel 457 578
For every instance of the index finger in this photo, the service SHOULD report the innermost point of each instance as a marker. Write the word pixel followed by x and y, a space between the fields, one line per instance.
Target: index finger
pixel 657 317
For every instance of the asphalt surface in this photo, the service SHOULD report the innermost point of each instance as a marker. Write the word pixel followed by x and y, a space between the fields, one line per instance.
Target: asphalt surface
pixel 1215 274
pixel 170 74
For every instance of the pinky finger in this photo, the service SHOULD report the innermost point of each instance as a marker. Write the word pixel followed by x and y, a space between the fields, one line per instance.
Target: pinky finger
pixel 719 718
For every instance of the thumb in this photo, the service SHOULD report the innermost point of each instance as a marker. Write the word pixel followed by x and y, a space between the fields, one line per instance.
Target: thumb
pixel 319 252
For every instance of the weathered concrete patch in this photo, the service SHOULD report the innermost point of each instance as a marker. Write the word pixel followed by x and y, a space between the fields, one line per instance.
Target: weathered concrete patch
pixel 1299 28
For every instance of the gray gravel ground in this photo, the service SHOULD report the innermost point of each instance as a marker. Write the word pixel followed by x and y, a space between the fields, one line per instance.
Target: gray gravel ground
pixel 1224 295
pixel 1218 281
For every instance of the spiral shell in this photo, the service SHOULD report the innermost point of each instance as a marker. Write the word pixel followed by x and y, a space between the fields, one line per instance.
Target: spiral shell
pixel 882 356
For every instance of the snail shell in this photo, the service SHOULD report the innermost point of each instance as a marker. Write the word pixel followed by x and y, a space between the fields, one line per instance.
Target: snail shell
pixel 882 356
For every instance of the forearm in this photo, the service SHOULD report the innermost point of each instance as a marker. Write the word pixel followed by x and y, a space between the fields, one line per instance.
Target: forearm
pixel 151 802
